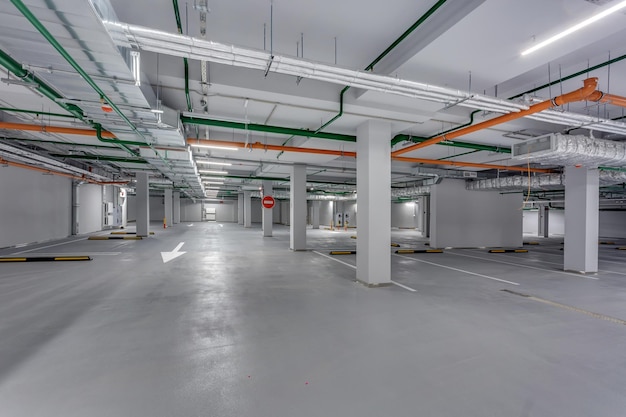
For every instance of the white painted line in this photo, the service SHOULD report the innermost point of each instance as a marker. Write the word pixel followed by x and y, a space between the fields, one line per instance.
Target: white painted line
pixel 458 270
pixel 525 266
pixel 177 248
pixel 403 286
pixel 168 256
pixel 79 254
pixel 354 267
pixel 561 264
pixel 336 260
pixel 50 246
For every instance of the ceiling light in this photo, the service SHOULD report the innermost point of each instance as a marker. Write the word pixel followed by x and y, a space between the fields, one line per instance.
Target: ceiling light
pixel 200 161
pixel 210 171
pixel 225 148
pixel 156 111
pixel 135 66
pixel 577 27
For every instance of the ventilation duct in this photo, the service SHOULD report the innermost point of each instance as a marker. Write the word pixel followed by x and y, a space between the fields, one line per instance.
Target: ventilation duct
pixel 540 182
pixel 557 149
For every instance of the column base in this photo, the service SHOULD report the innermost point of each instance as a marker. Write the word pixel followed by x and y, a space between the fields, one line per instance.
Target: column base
pixel 368 285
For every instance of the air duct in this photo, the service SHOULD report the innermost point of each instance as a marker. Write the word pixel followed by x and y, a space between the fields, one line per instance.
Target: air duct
pixel 558 149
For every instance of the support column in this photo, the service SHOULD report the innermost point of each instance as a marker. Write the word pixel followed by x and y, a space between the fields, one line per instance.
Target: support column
pixel 176 208
pixel 315 214
pixel 75 207
pixel 268 213
pixel 297 205
pixel 240 209
pixel 169 210
pixel 373 165
pixel 543 229
pixel 581 219
pixel 142 191
pixel 247 209
pixel 546 221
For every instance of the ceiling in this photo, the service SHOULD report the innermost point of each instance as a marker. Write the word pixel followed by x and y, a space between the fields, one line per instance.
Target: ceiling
pixel 473 46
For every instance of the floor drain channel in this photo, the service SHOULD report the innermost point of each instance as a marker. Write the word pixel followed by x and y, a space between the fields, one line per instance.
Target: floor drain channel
pixel 566 307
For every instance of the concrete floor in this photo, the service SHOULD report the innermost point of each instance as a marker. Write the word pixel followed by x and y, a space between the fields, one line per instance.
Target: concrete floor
pixel 241 326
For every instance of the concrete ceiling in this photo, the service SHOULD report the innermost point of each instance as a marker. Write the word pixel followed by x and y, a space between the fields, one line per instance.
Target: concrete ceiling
pixel 471 46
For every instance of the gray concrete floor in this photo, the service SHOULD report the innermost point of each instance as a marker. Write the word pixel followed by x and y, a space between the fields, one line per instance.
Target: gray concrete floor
pixel 241 326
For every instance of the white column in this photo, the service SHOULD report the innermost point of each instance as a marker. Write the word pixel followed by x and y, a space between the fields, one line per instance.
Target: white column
pixel 240 209
pixel 247 209
pixel 268 213
pixel 315 214
pixel 373 165
pixel 143 204
pixel 176 207
pixel 297 205
pixel 581 219
pixel 169 211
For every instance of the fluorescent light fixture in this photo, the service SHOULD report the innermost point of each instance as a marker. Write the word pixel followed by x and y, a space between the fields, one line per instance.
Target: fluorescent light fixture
pixel 157 111
pixel 201 161
pixel 225 148
pixel 619 6
pixel 135 66
pixel 210 171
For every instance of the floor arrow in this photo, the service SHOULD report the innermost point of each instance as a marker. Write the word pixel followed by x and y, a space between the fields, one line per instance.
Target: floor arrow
pixel 168 256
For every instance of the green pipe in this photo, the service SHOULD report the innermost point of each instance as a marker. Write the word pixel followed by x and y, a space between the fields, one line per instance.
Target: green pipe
pixel 101 158
pixel 185 61
pixel 569 77
pixel 37 112
pixel 267 128
pixel 122 143
pixel 59 48
pixel 618 169
pixel 461 154
pixel 278 179
pixel 402 37
pixel 370 67
pixel 17 70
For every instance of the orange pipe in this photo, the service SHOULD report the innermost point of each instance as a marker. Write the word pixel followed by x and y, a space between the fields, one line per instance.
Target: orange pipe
pixel 259 145
pixel 470 164
pixel 54 129
pixel 601 97
pixel 583 93
pixel 60 174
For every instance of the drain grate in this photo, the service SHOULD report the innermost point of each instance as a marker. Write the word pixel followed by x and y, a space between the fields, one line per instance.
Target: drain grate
pixel 567 307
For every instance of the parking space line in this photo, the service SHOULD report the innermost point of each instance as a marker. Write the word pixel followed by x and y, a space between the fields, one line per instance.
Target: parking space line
pixel 459 270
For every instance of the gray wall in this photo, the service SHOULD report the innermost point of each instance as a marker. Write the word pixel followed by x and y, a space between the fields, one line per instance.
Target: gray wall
pixel 90 211
pixel 326 213
pixel 284 211
pixel 461 218
pixel 190 211
pixel 403 215
pixel 613 223
pixel 226 211
pixel 33 207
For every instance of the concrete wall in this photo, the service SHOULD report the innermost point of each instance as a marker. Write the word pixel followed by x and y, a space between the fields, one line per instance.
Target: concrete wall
pixel 461 218
pixel 33 207
pixel 284 212
pixel 90 211
pixel 256 215
pixel 157 209
pixel 556 222
pixel 403 215
pixel 190 211
pixel 224 212
pixel 613 223
pixel 326 213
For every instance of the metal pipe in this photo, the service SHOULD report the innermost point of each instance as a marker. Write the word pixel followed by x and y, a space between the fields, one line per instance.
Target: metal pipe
pixel 53 129
pixel 60 174
pixel 185 61
pixel 582 93
pixel 258 145
pixel 37 112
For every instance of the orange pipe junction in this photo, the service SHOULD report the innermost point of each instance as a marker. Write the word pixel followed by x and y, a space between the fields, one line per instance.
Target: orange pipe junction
pixel 60 174
pixel 581 94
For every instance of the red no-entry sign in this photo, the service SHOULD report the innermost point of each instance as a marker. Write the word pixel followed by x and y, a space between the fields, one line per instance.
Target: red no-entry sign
pixel 268 201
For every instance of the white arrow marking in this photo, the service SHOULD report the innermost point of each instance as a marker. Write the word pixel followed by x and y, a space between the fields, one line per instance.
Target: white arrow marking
pixel 189 225
pixel 168 256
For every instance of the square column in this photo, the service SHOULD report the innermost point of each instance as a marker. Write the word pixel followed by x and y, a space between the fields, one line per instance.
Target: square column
pixel 543 230
pixel 240 209
pixel 169 210
pixel 143 204
pixel 297 205
pixel 176 215
pixel 373 166
pixel 581 219
pixel 315 214
pixel 268 213
pixel 247 209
